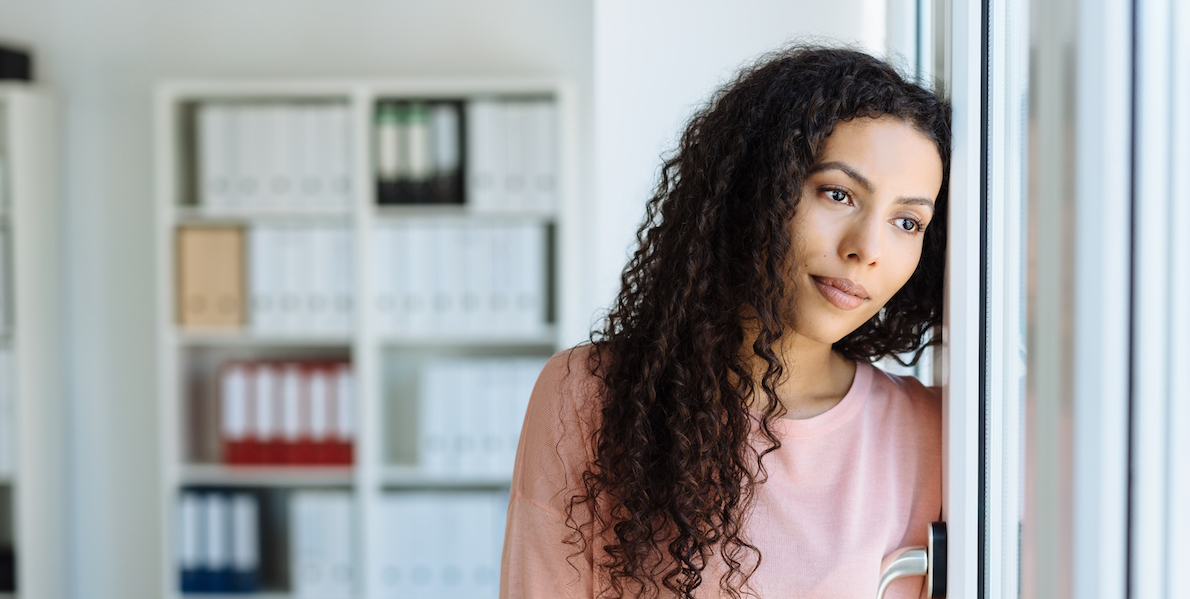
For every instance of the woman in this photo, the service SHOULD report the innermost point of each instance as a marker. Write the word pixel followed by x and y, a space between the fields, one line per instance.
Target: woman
pixel 725 434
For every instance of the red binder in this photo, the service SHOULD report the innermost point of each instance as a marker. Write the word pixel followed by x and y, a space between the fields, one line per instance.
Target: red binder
pixel 341 443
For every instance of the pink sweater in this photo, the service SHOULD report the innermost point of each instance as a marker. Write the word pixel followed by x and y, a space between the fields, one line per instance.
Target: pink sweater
pixel 846 488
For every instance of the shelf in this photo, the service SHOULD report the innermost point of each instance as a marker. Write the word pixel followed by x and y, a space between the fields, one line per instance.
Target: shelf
pixel 245 338
pixel 267 476
pixel 460 211
pixel 545 338
pixel 410 477
pixel 386 359
pixel 185 215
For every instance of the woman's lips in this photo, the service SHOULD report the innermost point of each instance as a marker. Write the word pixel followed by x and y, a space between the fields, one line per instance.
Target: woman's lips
pixel 841 292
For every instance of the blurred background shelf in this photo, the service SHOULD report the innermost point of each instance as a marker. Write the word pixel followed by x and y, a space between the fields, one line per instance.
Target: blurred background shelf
pixel 436 317
pixel 407 477
pixel 251 339
pixel 267 476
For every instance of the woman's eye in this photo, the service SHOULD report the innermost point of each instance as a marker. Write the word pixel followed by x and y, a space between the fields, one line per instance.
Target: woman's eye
pixel 908 224
pixel 838 196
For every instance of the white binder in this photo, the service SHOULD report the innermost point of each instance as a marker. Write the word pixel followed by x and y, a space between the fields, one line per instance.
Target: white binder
pixel 245 537
pixel 384 274
pixel 515 145
pixel 216 157
pixel 541 152
pixel 338 156
pixel 485 148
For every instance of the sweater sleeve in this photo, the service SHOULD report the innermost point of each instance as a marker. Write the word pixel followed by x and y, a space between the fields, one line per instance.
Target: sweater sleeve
pixel 543 557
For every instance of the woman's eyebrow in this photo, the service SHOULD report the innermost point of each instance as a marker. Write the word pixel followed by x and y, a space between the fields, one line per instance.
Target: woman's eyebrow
pixel 863 182
pixel 928 203
pixel 846 169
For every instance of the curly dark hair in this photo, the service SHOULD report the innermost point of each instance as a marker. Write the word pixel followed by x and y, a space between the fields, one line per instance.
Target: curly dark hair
pixel 676 458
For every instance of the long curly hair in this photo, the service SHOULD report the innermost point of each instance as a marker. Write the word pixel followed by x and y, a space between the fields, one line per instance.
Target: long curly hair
pixel 677 451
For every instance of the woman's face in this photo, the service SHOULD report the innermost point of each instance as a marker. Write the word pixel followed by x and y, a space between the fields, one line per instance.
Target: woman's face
pixel 858 231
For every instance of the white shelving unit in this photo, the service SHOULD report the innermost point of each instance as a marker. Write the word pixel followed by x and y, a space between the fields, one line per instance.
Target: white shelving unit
pixel 33 494
pixel 379 359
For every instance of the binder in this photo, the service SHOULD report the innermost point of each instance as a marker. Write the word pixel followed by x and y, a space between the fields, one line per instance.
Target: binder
pixel 309 530
pixel 435 429
pixel 234 413
pixel 515 142
pixel 251 134
pixel 300 279
pixel 318 376
pixel 420 154
pixel 451 548
pixel 216 157
pixel 461 265
pixel 342 427
pixel 309 193
pixel 485 148
pixel 387 136
pixel 501 299
pixel 293 411
pixel 478 273
pixel 422 546
pixel 338 157
pixel 287 264
pixel 268 409
pixel 190 543
pixel 448 282
pixel 343 279
pixel 320 554
pixel 541 152
pixel 320 292
pixel 340 562
pixel 254 444
pixel 245 544
pixel 479 558
pixel 446 130
pixel 384 274
pixel 277 161
pixel 263 281
pixel 215 561
pixel 420 292
pixel 400 260
pixel 470 418
pixel 210 284
pixel 491 399
pixel 392 575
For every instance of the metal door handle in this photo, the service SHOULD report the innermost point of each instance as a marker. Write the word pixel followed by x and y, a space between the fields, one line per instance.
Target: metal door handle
pixel 929 561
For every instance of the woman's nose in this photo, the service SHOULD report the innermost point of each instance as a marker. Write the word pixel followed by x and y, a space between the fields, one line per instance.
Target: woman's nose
pixel 862 241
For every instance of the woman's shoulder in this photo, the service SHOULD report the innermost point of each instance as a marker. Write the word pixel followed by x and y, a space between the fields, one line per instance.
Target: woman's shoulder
pixel 907 393
pixel 569 376
pixel 566 395
pixel 556 437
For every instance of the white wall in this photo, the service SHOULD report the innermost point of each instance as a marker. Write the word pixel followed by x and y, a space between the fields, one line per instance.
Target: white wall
pixel 104 58
pixel 655 63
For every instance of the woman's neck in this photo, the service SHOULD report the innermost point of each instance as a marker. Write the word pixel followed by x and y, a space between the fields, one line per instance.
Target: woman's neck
pixel 815 379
